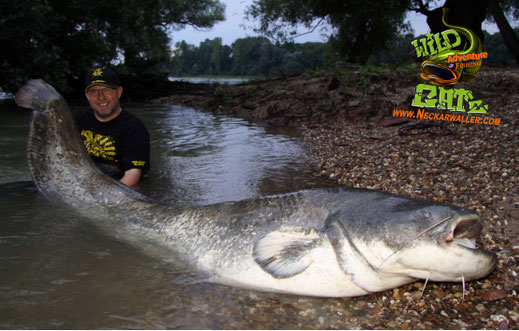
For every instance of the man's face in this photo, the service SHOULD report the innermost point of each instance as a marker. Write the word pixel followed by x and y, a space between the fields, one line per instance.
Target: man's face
pixel 104 101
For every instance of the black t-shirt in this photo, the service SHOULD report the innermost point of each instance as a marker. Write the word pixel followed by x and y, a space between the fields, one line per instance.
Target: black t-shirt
pixel 117 145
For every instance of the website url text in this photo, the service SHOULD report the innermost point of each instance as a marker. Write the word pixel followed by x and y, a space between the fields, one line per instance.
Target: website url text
pixel 422 114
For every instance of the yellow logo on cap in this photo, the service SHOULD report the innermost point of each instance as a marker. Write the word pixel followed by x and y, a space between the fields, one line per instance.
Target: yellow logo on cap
pixel 97 72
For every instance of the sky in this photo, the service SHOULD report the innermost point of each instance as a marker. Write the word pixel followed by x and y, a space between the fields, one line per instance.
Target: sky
pixel 236 26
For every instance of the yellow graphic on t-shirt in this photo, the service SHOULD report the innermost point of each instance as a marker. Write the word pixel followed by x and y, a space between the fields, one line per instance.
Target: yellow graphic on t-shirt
pixel 98 145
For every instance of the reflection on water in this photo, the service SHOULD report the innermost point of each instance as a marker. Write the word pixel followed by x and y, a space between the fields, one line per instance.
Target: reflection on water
pixel 199 158
pixel 58 271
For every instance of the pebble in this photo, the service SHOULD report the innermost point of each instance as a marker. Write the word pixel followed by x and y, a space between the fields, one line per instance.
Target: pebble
pixel 494 294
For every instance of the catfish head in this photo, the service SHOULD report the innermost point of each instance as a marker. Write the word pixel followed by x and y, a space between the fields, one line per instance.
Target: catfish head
pixel 392 240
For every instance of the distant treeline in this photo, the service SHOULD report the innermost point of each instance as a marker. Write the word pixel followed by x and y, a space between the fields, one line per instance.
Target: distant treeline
pixel 251 56
pixel 258 56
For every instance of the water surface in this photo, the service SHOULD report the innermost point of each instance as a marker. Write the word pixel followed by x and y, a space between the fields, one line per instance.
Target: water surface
pixel 210 80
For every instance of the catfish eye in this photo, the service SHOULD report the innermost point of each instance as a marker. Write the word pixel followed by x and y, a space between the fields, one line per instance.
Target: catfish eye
pixel 427 214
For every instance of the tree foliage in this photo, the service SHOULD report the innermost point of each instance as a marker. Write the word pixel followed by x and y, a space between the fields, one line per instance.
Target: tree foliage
pixel 211 57
pixel 59 40
pixel 360 27
pixel 510 7
pixel 258 56
pixel 498 52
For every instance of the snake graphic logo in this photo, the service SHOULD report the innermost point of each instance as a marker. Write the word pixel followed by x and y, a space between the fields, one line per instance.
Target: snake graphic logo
pixel 99 146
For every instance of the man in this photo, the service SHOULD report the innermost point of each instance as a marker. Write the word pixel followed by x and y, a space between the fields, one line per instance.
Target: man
pixel 117 141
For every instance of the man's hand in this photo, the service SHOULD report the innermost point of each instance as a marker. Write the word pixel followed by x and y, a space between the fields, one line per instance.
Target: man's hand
pixel 131 177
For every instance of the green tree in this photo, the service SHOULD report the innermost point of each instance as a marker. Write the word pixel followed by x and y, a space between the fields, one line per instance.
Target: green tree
pixel 507 33
pixel 246 55
pixel 210 57
pixel 498 53
pixel 59 40
pixel 204 63
pixel 226 59
pixel 360 26
pixel 216 56
pixel 294 67
pixel 270 56
pixel 398 52
pixel 184 57
pixel 311 54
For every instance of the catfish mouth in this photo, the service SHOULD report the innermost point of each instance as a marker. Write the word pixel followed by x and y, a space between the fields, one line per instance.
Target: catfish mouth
pixel 465 231
pixel 438 73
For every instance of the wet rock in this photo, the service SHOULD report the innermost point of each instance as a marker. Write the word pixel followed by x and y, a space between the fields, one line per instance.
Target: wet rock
pixel 354 103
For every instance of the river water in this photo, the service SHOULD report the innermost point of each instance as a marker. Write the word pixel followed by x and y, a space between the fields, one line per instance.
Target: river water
pixel 210 80
pixel 59 272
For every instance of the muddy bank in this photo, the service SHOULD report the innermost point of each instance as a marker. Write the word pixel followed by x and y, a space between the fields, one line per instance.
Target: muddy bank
pixel 346 120
pixel 348 92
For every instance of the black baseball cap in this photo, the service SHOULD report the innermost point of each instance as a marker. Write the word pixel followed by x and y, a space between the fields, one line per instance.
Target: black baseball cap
pixel 103 76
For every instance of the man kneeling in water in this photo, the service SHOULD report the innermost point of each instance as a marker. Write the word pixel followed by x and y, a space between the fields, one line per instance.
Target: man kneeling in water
pixel 117 140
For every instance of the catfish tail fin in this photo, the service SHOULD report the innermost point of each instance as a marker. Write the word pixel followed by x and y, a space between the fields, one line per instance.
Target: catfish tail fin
pixel 36 94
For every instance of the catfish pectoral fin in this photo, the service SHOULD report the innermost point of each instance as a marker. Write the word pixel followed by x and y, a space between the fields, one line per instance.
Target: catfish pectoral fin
pixel 286 252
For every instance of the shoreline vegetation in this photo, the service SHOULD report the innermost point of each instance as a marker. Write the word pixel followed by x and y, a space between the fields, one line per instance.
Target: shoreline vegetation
pixel 345 119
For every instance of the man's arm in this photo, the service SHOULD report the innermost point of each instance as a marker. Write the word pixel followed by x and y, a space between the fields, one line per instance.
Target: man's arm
pixel 131 177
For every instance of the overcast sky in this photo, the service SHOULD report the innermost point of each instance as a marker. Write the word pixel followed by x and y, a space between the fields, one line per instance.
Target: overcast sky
pixel 235 27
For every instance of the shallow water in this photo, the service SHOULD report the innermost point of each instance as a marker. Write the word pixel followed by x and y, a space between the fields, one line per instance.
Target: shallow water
pixel 57 271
